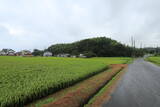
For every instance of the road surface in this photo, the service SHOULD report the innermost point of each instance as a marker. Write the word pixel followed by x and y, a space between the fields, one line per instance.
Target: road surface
pixel 140 87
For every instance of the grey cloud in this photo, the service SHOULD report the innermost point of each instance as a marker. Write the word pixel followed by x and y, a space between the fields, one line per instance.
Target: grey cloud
pixel 46 22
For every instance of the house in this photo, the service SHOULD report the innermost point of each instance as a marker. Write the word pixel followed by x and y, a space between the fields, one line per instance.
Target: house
pixel 18 53
pixel 73 56
pixel 11 52
pixel 47 53
pixel 63 55
pixel 8 52
pixel 25 53
pixel 2 53
pixel 82 56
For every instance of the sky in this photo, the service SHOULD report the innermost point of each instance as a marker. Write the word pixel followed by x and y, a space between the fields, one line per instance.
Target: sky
pixel 30 24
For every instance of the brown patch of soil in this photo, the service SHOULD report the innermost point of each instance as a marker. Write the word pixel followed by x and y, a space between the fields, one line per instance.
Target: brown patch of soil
pixel 86 89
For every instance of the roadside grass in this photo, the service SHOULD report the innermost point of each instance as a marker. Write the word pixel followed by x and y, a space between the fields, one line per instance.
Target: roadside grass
pixel 104 94
pixel 101 92
pixel 154 59
pixel 114 60
pixel 25 79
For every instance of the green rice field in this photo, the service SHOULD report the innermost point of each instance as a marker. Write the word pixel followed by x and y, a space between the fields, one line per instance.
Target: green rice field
pixel 24 79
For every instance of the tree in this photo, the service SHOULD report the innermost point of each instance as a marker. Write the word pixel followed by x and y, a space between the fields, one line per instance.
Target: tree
pixel 37 52
pixel 89 54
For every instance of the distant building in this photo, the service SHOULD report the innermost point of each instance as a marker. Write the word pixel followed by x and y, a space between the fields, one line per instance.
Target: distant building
pixel 7 52
pixel 2 53
pixel 63 55
pixel 18 53
pixel 47 53
pixel 82 56
pixel 11 52
pixel 25 53
pixel 73 56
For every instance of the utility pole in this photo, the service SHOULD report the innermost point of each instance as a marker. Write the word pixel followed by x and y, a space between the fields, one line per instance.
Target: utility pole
pixel 132 45
pixel 141 46
pixel 158 49
pixel 133 42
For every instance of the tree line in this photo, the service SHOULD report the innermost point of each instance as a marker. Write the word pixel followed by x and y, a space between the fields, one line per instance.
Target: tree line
pixel 94 47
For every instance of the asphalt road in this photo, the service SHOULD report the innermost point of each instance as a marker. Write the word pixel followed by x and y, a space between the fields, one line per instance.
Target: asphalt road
pixel 139 87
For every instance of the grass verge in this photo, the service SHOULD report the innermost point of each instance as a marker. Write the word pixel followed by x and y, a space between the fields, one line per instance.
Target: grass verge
pixel 154 59
pixel 104 94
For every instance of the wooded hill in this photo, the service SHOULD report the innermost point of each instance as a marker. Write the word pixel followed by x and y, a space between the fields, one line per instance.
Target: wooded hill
pixel 99 47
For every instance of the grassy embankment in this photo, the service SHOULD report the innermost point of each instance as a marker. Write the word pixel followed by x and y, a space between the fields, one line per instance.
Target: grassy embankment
pixel 154 59
pixel 23 80
pixel 104 94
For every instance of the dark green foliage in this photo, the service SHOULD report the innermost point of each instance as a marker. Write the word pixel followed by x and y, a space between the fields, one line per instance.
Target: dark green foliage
pixel 151 50
pixel 100 47
pixel 89 54
pixel 37 52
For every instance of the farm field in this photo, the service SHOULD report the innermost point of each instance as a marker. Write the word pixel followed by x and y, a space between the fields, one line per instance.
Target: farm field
pixel 24 79
pixel 79 94
pixel 154 59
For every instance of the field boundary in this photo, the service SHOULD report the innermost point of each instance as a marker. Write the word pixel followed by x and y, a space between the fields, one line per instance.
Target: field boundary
pixel 104 94
pixel 103 86
pixel 82 95
pixel 72 84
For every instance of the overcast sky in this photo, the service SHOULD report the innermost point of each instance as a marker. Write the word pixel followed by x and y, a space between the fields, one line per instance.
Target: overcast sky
pixel 29 24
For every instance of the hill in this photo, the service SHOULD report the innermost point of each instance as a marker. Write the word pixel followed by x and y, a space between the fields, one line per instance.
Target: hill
pixel 99 46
